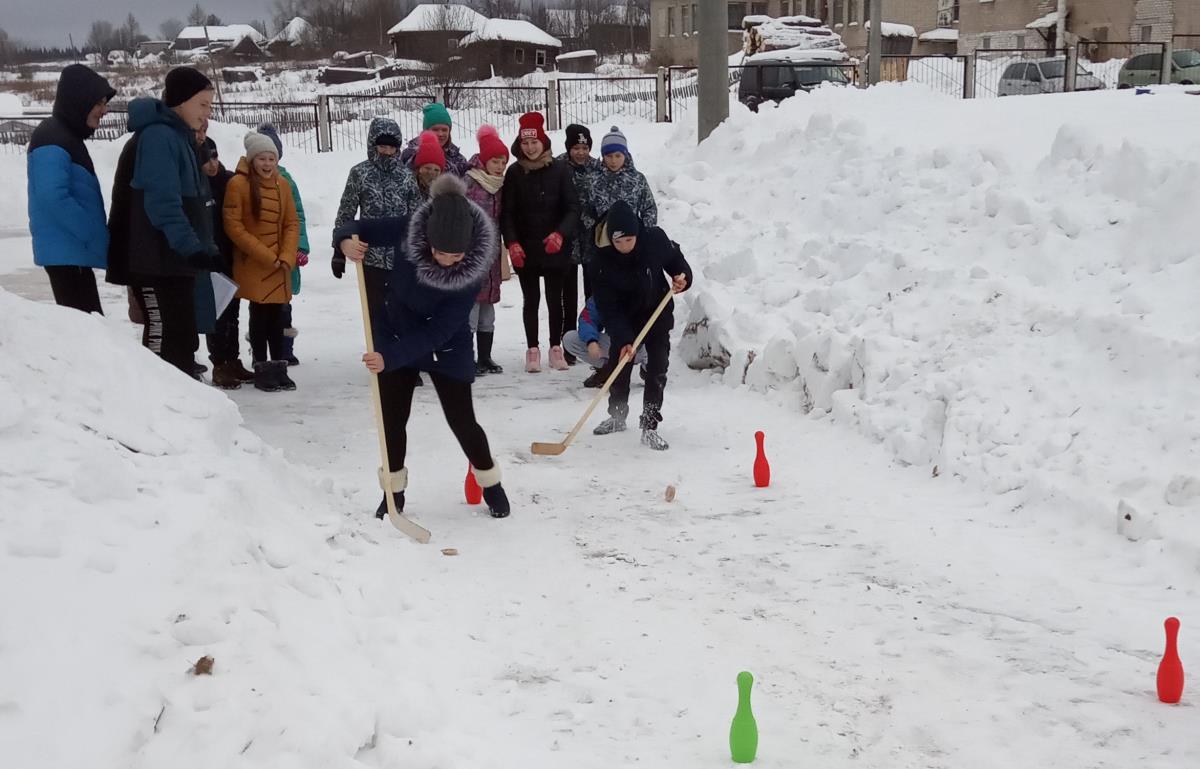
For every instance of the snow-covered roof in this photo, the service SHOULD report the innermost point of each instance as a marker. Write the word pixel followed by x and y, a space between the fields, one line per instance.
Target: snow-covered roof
pixel 297 32
pixel 576 55
pixel 449 17
pixel 511 31
pixel 891 29
pixel 1046 22
pixel 623 14
pixel 799 56
pixel 228 33
pixel 753 20
pixel 942 35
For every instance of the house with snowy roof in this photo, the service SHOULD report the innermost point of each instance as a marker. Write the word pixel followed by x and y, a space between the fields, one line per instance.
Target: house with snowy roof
pixel 433 33
pixel 509 48
pixel 216 37
pixel 296 36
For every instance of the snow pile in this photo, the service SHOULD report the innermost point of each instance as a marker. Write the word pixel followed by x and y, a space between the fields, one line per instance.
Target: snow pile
pixel 297 33
pixel 144 528
pixel 999 291
pixel 892 29
pixel 10 105
pixel 789 32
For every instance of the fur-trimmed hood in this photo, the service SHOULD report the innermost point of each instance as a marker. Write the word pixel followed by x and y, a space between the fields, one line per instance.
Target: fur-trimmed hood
pixel 468 273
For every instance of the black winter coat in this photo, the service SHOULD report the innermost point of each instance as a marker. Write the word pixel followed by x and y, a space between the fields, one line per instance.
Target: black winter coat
pixel 627 287
pixel 224 244
pixel 537 203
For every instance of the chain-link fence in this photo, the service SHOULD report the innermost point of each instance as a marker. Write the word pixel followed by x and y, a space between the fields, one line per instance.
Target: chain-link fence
pixel 943 74
pixel 501 106
pixel 1119 64
pixel 1018 71
pixel 296 122
pixel 596 100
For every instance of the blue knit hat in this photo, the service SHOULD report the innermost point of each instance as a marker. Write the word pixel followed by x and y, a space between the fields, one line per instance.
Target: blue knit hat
pixel 614 141
pixel 272 133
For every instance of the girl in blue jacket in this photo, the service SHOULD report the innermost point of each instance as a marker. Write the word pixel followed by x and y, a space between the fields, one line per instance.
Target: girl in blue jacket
pixel 66 208
pixel 442 257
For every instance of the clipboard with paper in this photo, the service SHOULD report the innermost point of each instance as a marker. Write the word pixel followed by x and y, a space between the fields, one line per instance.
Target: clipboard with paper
pixel 224 290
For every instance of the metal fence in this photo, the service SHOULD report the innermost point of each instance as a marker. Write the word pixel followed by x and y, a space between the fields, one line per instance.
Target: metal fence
pixel 350 116
pixel 943 74
pixel 501 106
pixel 296 122
pixel 595 100
pixel 999 71
pixel 1119 64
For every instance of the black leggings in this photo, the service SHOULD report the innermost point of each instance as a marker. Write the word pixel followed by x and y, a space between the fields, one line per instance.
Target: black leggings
pixel 455 396
pixel 74 287
pixel 266 331
pixel 531 290
pixel 570 295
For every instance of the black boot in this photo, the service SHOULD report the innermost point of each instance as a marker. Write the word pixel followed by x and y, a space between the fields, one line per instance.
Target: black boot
pixel 600 376
pixel 485 364
pixel 497 501
pixel 397 483
pixel 649 421
pixel 265 377
pixel 381 511
pixel 285 381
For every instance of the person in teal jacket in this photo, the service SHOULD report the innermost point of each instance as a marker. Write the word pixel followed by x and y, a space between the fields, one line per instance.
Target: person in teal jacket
pixel 66 207
pixel 289 331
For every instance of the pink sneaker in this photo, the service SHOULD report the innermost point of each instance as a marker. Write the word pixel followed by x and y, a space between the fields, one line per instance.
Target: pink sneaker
pixel 557 361
pixel 533 360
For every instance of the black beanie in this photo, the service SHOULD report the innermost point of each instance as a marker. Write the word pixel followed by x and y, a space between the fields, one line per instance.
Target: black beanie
pixel 451 226
pixel 182 84
pixel 622 221
pixel 208 151
pixel 578 134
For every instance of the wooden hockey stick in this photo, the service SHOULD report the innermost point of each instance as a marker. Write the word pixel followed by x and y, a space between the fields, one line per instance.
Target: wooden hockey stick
pixel 406 525
pixel 554 449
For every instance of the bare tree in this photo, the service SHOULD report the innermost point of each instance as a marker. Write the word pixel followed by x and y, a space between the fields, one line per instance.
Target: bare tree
pixel 8 48
pixel 130 33
pixel 170 28
pixel 102 38
pixel 197 15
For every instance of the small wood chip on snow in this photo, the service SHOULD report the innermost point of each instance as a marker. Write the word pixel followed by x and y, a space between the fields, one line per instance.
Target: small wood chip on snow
pixel 449 551
pixel 669 495
pixel 203 666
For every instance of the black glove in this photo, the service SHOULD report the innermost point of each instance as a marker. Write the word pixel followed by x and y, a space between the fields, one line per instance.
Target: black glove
pixel 205 260
pixel 339 264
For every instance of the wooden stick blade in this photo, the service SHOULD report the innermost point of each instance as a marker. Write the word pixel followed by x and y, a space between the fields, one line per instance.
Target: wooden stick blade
pixel 548 449
pixel 409 527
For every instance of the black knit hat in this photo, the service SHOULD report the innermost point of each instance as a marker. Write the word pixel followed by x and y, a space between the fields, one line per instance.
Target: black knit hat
pixel 578 134
pixel 451 226
pixel 208 151
pixel 622 221
pixel 182 84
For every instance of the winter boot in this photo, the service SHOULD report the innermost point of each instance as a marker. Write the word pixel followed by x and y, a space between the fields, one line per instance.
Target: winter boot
pixel 649 421
pixel 557 361
pixel 600 376
pixel 533 360
pixel 493 492
pixel 618 413
pixel 225 377
pixel 241 372
pixel 569 358
pixel 399 482
pixel 266 377
pixel 486 365
pixel 285 381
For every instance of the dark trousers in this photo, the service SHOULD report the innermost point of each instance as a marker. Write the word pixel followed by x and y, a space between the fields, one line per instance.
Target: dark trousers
pixel 658 354
pixel 223 343
pixel 390 386
pixel 587 282
pixel 74 287
pixel 570 298
pixel 289 343
pixel 266 331
pixel 531 291
pixel 169 308
pixel 455 397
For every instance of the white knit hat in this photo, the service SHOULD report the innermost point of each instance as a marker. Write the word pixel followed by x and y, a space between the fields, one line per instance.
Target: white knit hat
pixel 257 144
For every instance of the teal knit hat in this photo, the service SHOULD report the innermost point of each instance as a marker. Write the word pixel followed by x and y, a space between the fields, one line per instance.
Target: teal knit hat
pixel 436 114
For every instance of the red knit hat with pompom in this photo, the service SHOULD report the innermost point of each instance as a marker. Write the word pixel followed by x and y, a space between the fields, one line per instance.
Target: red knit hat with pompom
pixel 430 152
pixel 533 126
pixel 490 145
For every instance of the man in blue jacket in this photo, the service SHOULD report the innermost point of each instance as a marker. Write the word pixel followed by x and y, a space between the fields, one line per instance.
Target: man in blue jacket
pixel 66 208
pixel 161 218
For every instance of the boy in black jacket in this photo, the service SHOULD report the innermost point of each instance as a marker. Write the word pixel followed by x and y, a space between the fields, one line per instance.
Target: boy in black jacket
pixel 628 283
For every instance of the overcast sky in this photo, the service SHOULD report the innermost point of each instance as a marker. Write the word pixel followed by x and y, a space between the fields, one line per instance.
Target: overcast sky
pixel 48 22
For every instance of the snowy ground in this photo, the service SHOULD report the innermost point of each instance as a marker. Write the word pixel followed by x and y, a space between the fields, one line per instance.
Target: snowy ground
pixel 893 619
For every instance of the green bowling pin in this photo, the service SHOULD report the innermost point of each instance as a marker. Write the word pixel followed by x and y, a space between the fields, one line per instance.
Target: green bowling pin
pixel 743 732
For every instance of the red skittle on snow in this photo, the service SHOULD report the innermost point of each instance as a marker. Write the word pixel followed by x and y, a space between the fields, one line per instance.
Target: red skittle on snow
pixel 471 489
pixel 762 470
pixel 1170 670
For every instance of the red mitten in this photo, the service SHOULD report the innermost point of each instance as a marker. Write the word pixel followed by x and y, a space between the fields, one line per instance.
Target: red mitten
pixel 301 259
pixel 553 243
pixel 516 255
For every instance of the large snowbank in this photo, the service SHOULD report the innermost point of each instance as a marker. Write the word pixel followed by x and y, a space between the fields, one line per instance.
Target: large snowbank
pixel 1003 292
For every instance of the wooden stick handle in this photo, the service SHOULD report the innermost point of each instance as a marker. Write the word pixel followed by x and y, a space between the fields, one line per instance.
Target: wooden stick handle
pixel 637 342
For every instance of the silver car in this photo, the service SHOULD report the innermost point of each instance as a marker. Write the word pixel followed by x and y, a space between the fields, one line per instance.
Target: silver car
pixel 1043 76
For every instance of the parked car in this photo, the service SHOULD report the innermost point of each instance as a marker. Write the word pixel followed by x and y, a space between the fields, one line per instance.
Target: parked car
pixel 776 78
pixel 1043 76
pixel 1144 69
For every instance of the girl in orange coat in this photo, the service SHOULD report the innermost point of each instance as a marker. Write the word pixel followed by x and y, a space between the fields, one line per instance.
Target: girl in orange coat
pixel 261 221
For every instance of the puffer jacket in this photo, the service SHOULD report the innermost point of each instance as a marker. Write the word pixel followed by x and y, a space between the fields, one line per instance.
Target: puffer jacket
pixel 490 204
pixel 264 246
pixel 66 207
pixel 379 187
pixel 540 198
pixel 628 184
pixel 584 176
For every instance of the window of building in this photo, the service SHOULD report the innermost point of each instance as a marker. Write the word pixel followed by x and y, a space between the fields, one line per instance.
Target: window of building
pixel 671 21
pixel 867 11
pixel 737 12
pixel 759 9
pixel 985 43
pixel 839 7
pixel 519 55
pixel 662 28
pixel 785 8
pixel 685 19
pixel 539 57
pixel 452 43
pixel 695 18
pixel 854 17
pixel 954 9
pixel 1020 42
pixel 1147 33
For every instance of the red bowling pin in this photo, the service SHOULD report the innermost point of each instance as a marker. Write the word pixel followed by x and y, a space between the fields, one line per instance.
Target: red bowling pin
pixel 471 489
pixel 762 470
pixel 1170 670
